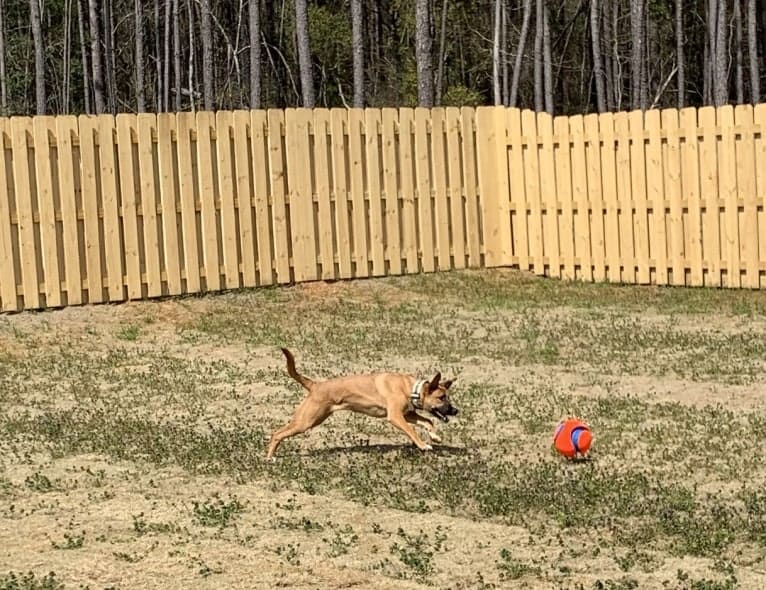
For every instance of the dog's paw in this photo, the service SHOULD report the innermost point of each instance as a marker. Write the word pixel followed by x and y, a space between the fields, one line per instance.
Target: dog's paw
pixel 270 459
pixel 434 437
pixel 427 448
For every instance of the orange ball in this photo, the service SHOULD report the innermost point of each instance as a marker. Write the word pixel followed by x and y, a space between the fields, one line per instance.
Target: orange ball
pixel 572 437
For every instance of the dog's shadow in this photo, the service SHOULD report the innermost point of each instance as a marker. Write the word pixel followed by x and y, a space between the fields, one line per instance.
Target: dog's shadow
pixel 386 448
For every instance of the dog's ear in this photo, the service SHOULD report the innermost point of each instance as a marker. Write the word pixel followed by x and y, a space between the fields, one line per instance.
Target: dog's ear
pixel 434 385
pixel 448 383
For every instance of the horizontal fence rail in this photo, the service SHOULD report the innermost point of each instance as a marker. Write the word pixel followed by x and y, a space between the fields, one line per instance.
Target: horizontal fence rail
pixel 103 208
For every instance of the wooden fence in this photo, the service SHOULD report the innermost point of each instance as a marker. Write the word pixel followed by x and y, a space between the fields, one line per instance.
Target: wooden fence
pixel 96 209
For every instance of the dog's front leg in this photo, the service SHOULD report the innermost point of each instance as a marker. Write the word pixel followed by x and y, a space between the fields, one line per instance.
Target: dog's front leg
pixel 417 419
pixel 401 423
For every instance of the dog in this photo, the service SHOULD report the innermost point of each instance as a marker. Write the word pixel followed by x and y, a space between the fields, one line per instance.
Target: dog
pixel 394 396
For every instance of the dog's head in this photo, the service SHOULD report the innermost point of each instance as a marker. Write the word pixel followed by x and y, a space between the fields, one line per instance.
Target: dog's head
pixel 436 400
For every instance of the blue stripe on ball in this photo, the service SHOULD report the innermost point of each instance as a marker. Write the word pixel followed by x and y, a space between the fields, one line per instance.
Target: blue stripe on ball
pixel 576 437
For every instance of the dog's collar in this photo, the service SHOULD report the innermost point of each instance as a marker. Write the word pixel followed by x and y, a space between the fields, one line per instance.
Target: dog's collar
pixel 415 393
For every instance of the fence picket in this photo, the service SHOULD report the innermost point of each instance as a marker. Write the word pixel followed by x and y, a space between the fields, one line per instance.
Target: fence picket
pixel 90 207
pixel 759 116
pixel 440 196
pixel 224 122
pixel 358 201
pixel 562 154
pixel 727 179
pixel 266 149
pixel 42 128
pixel 147 127
pixel 374 197
pixel 185 123
pixel 322 176
pixel 391 192
pixel 407 172
pixel 656 197
pixel 625 198
pixel 595 195
pixel 243 164
pixel 277 187
pixel 8 279
pixel 610 195
pixel 746 192
pixel 675 245
pixel 470 183
pixel 580 198
pixel 338 124
pixel 423 175
pixel 456 205
pixel 111 212
pixel 532 190
pixel 690 181
pixel 166 123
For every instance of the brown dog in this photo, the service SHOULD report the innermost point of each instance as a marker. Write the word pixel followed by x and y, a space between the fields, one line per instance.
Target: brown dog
pixel 381 395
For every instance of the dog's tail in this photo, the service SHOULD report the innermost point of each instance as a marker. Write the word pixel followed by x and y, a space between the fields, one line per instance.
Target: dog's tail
pixel 305 381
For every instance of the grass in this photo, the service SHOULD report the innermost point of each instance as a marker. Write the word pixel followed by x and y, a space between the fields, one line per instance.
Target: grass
pixel 672 477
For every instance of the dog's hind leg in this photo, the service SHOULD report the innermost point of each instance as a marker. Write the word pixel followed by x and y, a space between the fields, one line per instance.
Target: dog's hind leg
pixel 415 418
pixel 307 415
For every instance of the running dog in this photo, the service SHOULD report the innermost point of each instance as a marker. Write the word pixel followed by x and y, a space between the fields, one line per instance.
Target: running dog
pixel 393 396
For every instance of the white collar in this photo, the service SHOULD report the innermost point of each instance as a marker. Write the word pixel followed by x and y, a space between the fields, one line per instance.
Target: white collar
pixel 415 393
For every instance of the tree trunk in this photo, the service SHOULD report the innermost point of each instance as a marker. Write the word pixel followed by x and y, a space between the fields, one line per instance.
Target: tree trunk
pixel 157 59
pixel 254 29
pixel 191 53
pixel 680 54
pixel 357 49
pixel 442 54
pixel 520 52
pixel 3 86
pixel 752 52
pixel 740 58
pixel 598 70
pixel 539 91
pixel 166 60
pixel 304 53
pixel 111 84
pixel 720 75
pixel 140 91
pixel 496 53
pixel 423 55
pixel 618 80
pixel 547 63
pixel 206 30
pixel 39 43
pixel 710 46
pixel 95 56
pixel 607 37
pixel 504 54
pixel 67 58
pixel 84 55
pixel 637 20
pixel 177 54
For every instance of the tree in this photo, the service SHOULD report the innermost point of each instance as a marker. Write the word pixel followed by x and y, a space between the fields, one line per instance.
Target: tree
pixel 254 30
pixel 423 55
pixel 496 52
pixel 442 54
pixel 206 31
pixel 539 90
pixel 357 49
pixel 177 54
pixel 547 62
pixel 37 36
pixel 637 66
pixel 520 52
pixel 720 66
pixel 680 54
pixel 95 57
pixel 752 50
pixel 598 70
pixel 739 83
pixel 111 82
pixel 140 90
pixel 3 84
pixel 304 53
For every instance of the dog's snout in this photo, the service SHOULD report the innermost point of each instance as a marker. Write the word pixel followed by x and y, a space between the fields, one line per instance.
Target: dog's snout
pixel 452 411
